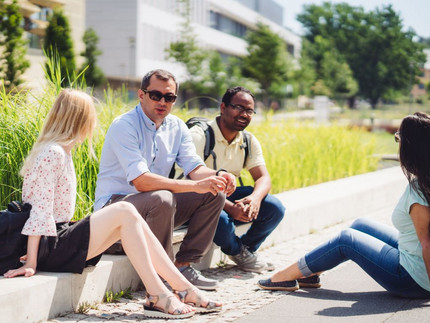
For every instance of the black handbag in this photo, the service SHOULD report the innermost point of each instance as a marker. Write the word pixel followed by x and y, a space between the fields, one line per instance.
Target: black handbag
pixel 13 244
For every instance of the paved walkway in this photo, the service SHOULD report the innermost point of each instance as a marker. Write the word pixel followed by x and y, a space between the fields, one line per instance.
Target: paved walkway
pixel 347 294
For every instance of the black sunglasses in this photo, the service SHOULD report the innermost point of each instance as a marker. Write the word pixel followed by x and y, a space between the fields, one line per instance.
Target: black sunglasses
pixel 157 96
pixel 397 136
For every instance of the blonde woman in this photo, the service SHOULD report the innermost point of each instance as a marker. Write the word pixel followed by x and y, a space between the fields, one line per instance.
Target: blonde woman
pixel 56 244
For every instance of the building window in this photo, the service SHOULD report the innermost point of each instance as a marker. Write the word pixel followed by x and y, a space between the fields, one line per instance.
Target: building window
pixel 290 49
pixel 36 25
pixel 35 41
pixel 43 14
pixel 227 25
pixel 421 86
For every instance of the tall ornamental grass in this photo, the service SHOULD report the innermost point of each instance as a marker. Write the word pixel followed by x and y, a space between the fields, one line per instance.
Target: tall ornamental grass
pixel 297 154
pixel 20 119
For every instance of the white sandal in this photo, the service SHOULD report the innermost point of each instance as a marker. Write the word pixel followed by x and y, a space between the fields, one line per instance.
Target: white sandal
pixel 210 307
pixel 154 311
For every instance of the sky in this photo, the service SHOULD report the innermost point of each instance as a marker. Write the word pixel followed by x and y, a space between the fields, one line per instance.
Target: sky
pixel 415 13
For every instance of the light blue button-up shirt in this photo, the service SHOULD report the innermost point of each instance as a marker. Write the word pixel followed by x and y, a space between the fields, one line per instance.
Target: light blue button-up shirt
pixel 133 146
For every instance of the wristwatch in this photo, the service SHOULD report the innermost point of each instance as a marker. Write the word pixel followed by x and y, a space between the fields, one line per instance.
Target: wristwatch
pixel 220 170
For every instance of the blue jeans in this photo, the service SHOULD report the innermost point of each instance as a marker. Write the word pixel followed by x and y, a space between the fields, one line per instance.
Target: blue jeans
pixel 271 213
pixel 371 245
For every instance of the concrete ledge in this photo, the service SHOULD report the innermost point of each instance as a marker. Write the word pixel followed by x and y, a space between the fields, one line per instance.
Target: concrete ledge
pixel 46 295
pixel 313 208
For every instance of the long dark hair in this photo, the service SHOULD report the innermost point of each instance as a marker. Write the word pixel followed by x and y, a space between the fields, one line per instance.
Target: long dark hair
pixel 414 151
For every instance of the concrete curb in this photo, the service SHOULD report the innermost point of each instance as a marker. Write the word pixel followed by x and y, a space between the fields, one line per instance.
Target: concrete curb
pixel 313 208
pixel 47 295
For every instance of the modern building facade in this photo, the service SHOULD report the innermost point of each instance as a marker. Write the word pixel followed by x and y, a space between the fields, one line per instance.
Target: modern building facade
pixel 134 34
pixel 36 13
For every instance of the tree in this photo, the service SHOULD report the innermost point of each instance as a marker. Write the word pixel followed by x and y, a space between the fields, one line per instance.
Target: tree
pixel 380 54
pixel 235 76
pixel 207 73
pixel 428 89
pixel 268 61
pixel 187 52
pixel 58 40
pixel 337 76
pixel 425 42
pixel 93 74
pixel 12 61
pixel 305 76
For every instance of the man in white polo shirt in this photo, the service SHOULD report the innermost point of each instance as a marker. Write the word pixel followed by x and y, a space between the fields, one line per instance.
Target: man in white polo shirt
pixel 247 203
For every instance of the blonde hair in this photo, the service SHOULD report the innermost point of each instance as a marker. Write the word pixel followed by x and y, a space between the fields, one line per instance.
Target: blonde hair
pixel 71 118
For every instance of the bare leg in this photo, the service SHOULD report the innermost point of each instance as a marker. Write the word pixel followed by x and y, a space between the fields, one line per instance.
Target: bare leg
pixel 122 221
pixel 168 270
pixel 292 272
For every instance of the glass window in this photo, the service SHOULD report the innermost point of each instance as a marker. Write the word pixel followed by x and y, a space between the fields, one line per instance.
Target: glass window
pixel 36 41
pixel 227 25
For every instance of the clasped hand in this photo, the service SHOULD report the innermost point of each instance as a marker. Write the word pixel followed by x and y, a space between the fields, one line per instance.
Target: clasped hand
pixel 245 209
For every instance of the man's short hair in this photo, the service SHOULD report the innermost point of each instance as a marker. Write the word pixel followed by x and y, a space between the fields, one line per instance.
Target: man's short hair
pixel 160 74
pixel 231 92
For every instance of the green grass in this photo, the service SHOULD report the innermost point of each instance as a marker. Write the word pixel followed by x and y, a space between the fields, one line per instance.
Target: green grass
pixel 85 307
pixel 384 112
pixel 385 144
pixel 297 154
pixel 303 154
pixel 111 297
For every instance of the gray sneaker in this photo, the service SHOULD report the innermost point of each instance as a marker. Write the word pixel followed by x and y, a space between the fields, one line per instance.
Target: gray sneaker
pixel 269 266
pixel 248 261
pixel 197 279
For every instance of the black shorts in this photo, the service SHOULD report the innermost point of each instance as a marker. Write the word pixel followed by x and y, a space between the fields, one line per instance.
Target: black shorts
pixel 67 252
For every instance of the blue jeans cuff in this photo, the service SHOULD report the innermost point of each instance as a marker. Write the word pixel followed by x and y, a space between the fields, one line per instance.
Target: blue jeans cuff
pixel 303 267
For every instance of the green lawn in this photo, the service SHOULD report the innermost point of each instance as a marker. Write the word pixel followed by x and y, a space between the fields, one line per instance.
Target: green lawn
pixel 384 143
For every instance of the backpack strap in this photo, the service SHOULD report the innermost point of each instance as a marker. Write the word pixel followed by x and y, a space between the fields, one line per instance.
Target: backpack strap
pixel 209 145
pixel 208 148
pixel 172 171
pixel 247 146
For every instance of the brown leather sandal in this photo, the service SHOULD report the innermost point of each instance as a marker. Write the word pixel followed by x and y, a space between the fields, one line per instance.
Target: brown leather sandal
pixel 154 311
pixel 209 308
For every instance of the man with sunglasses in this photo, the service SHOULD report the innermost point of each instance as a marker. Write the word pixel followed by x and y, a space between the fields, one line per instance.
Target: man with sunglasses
pixel 247 203
pixel 138 153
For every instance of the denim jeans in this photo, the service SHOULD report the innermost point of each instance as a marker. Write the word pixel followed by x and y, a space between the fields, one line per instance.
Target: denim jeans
pixel 271 213
pixel 371 245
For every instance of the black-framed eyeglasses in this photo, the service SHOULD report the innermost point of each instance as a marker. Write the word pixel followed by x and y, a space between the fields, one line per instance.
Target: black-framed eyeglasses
pixel 397 136
pixel 241 109
pixel 157 96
